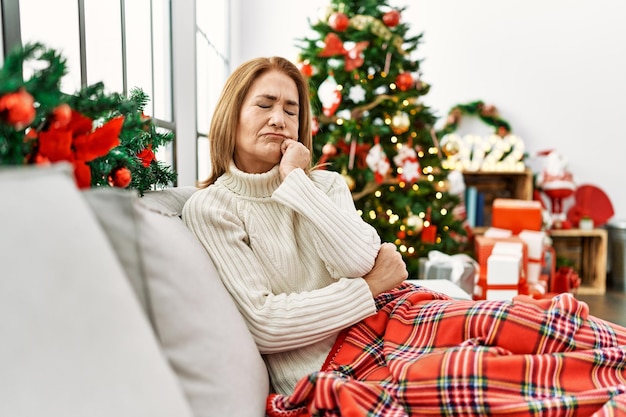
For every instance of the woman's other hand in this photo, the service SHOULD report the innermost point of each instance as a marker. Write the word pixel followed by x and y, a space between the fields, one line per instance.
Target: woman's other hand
pixel 388 272
pixel 295 155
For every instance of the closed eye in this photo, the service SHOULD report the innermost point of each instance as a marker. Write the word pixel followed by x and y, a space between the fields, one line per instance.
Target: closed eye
pixel 267 102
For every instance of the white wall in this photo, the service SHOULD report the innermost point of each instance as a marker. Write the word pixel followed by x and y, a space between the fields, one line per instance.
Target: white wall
pixel 556 70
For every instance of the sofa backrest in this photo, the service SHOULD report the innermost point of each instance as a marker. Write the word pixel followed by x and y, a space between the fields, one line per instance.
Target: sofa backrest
pixel 75 342
pixel 202 334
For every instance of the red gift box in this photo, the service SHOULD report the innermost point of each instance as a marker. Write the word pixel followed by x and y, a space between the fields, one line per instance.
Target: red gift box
pixel 516 215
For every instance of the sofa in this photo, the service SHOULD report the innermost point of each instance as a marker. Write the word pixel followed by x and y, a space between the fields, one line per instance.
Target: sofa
pixel 109 306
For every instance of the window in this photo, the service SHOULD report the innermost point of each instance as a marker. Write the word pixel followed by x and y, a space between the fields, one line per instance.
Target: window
pixel 212 69
pixel 130 43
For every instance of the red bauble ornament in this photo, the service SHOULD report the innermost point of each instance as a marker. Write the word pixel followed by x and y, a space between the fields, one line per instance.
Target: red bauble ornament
pixel 120 177
pixel 391 18
pixel 61 116
pixel 404 81
pixel 338 21
pixel 17 109
pixel 305 68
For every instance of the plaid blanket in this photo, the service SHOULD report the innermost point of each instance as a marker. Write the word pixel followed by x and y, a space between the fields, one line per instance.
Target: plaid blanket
pixel 424 354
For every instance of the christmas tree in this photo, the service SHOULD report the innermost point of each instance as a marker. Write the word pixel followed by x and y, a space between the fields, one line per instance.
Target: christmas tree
pixel 372 127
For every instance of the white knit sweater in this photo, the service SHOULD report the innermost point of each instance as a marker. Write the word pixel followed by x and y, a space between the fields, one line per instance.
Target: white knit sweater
pixel 291 254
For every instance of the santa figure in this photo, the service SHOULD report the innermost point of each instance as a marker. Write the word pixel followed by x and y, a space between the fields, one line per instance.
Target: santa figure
pixel 558 184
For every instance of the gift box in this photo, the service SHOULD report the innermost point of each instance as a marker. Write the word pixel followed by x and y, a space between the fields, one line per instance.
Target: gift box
pixel 516 215
pixel 511 254
pixel 504 270
pixel 504 265
pixel 483 246
pixel 536 244
pixel 461 269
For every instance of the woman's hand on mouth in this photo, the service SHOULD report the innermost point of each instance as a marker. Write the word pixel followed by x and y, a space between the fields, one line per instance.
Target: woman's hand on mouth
pixel 295 155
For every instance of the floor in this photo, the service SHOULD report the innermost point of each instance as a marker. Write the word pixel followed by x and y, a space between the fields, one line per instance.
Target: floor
pixel 610 306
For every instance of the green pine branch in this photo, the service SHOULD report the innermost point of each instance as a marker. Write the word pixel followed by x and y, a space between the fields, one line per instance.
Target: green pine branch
pixel 45 69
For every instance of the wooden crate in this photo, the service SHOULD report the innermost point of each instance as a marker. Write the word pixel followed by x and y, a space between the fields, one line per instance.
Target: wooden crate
pixel 587 250
pixel 515 184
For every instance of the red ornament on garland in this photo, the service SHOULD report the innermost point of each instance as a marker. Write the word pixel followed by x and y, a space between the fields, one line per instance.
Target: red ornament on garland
pixel 120 177
pixel 404 81
pixel 338 21
pixel 391 18
pixel 146 156
pixel 61 116
pixel 17 109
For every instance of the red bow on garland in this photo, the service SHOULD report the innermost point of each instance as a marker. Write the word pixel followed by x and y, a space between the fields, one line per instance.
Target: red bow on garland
pixel 75 140
pixel 334 46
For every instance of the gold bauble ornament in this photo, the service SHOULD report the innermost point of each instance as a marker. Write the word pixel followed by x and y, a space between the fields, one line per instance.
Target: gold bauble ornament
pixel 415 222
pixel 450 148
pixel 400 123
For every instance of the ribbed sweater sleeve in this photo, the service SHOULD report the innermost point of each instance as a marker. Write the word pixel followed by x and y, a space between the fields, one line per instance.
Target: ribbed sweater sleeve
pixel 342 239
pixel 287 298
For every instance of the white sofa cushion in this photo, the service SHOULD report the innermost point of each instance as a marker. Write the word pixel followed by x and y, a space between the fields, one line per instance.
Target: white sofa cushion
pixel 74 339
pixel 202 333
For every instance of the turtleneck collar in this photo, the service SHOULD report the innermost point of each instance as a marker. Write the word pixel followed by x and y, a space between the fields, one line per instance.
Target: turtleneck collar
pixel 252 185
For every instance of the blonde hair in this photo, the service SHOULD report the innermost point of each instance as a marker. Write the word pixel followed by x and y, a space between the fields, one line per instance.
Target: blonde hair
pixel 222 133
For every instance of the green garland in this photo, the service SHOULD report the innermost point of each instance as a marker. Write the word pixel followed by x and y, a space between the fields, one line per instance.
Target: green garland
pixel 487 113
pixel 103 151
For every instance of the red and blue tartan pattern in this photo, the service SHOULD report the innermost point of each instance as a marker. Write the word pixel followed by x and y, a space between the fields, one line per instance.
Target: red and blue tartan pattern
pixel 424 354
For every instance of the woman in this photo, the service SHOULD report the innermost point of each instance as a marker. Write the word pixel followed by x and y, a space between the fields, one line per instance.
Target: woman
pixel 286 240
pixel 327 304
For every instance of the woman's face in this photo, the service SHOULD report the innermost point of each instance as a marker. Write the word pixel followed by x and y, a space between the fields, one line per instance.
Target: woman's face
pixel 268 116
